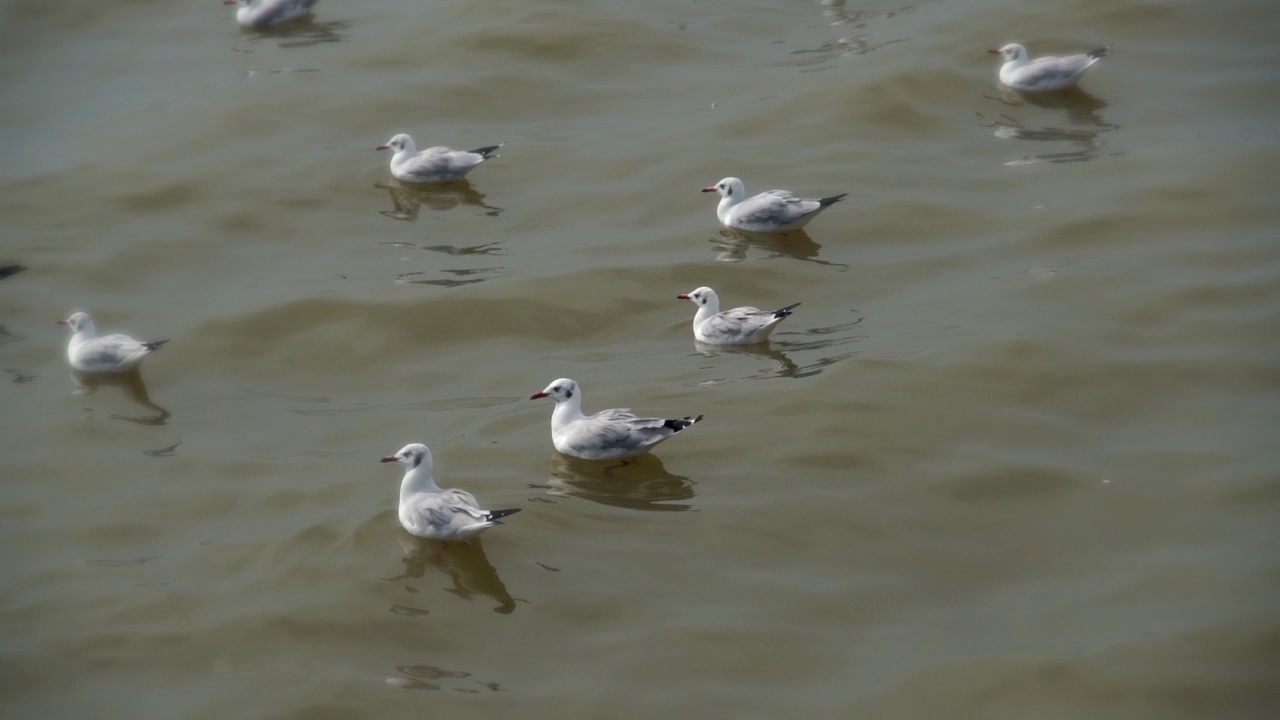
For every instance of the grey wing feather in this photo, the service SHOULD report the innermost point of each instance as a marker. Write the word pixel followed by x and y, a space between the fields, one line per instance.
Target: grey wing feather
pixel 738 321
pixel 1051 70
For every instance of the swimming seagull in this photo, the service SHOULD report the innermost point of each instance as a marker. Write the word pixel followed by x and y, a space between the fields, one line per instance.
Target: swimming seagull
pixel 113 353
pixel 771 211
pixel 739 326
pixel 428 511
pixel 1043 73
pixel 607 435
pixel 260 13
pixel 435 164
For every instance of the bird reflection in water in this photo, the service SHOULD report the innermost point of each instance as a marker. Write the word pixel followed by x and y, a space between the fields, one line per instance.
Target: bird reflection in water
pixel 407 199
pixel 732 245
pixel 642 484
pixel 780 349
pixel 1084 128
pixel 302 32
pixel 87 383
pixel 463 562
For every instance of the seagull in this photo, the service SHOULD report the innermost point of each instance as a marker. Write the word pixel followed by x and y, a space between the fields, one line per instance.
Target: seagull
pixel 1043 73
pixel 435 164
pixel 113 353
pixel 607 435
pixel 260 13
pixel 772 211
pixel 739 326
pixel 429 512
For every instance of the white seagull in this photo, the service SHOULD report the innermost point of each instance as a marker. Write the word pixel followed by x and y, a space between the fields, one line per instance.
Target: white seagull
pixel 428 511
pixel 114 353
pixel 771 211
pixel 1044 73
pixel 607 435
pixel 739 326
pixel 435 164
pixel 260 13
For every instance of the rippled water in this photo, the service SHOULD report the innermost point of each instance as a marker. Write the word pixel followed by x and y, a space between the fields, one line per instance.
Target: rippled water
pixel 1014 456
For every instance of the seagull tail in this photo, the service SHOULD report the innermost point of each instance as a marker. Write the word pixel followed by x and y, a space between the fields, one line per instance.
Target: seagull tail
pixel 682 423
pixel 495 515
pixel 7 270
pixel 784 312
pixel 831 200
pixel 1101 52
pixel 488 151
pixel 153 345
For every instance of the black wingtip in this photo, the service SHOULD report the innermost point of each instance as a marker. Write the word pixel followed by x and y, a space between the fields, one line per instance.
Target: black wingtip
pixel 784 312
pixel 495 515
pixel 487 151
pixel 682 423
pixel 1101 52
pixel 154 344
pixel 7 270
pixel 832 200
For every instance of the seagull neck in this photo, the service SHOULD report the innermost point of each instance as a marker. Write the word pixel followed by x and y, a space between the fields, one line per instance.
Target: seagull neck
pixel 568 410
pixel 416 481
pixel 706 310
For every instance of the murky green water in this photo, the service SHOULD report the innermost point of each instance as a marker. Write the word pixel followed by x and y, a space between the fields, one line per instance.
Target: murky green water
pixel 1014 456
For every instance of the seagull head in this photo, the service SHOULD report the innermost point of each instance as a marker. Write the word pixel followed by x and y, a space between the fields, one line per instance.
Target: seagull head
pixel 78 322
pixel 699 297
pixel 397 143
pixel 730 187
pixel 411 456
pixel 1010 52
pixel 559 390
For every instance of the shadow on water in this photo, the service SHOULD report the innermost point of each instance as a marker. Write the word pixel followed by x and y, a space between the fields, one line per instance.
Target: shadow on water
pixel 464 563
pixel 732 246
pixel 1084 129
pixel 131 384
pixel 434 677
pixel 303 32
pixel 407 199
pixel 643 484
pixel 780 349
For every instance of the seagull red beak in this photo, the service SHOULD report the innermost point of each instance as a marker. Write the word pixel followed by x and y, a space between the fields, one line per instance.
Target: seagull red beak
pixel 709 188
pixel 994 51
pixel 381 147
pixel 63 322
pixel 537 395
pixel 228 2
pixel 683 296
pixel 390 458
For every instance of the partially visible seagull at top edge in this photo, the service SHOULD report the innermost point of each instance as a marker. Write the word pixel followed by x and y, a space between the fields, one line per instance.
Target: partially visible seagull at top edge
pixel 740 326
pixel 1044 73
pixel 607 435
pixel 770 211
pixel 429 511
pixel 111 353
pixel 435 164
pixel 260 13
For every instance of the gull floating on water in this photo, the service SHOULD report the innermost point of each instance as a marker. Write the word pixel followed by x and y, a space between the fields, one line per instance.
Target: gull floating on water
pixel 1044 73
pixel 770 211
pixel 260 13
pixel 739 326
pixel 113 353
pixel 428 511
pixel 435 164
pixel 607 435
